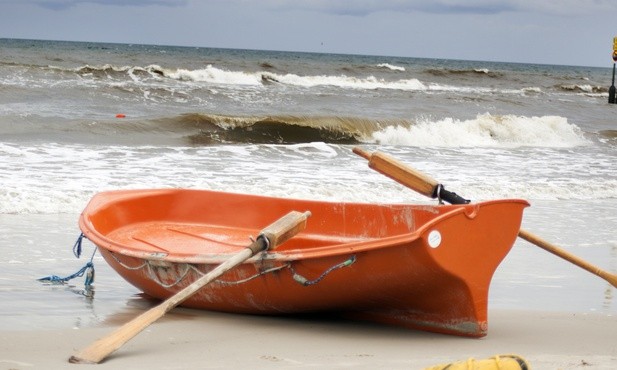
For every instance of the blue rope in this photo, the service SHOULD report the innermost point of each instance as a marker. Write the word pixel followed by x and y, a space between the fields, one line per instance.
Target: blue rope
pixel 87 270
pixel 77 245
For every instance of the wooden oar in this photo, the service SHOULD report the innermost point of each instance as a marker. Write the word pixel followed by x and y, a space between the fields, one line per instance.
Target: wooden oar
pixel 269 238
pixel 428 186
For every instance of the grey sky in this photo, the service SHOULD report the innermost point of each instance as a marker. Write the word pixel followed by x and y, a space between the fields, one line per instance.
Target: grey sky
pixel 571 32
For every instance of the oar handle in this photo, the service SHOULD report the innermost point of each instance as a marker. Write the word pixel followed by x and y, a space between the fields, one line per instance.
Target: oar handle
pixel 284 229
pixel 409 177
pixel 397 171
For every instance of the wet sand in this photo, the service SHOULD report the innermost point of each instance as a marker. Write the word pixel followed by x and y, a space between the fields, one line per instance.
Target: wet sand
pixel 186 339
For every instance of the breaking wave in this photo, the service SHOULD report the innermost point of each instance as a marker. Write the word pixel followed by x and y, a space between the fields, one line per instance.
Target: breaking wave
pixel 609 136
pixel 391 67
pixel 200 129
pixel 215 75
pixel 364 77
pixel 486 130
pixel 583 88
pixel 444 72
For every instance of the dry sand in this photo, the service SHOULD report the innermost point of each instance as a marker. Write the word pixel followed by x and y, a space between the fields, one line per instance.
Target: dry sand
pixel 188 339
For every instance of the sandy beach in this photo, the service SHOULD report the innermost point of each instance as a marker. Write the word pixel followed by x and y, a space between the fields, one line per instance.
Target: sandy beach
pixel 42 326
pixel 189 339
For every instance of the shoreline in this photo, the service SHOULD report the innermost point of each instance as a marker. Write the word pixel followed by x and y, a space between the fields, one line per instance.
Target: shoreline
pixel 187 338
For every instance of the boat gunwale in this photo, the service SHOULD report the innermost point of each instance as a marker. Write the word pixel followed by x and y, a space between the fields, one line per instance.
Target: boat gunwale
pixel 330 250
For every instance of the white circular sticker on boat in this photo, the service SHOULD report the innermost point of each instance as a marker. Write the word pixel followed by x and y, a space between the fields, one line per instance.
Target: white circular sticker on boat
pixel 434 239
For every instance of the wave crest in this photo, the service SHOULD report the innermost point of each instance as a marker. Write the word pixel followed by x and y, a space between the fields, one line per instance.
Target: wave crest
pixel 210 129
pixel 391 67
pixel 199 129
pixel 215 75
pixel 583 88
pixel 444 72
pixel 486 130
pixel 368 80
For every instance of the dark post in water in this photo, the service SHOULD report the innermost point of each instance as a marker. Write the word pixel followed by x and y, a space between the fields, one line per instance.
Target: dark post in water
pixel 611 90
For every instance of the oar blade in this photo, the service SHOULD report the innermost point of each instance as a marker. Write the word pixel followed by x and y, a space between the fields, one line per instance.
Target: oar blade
pixel 103 347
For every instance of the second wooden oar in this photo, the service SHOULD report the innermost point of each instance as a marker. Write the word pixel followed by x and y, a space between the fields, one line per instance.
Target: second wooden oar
pixel 269 238
pixel 428 186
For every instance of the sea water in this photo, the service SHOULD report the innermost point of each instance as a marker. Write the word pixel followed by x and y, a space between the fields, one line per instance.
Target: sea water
pixel 80 118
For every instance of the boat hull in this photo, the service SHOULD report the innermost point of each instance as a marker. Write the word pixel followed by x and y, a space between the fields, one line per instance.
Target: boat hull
pixel 417 266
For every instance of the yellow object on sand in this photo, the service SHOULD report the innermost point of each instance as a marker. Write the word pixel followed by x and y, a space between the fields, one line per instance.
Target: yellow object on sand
pixel 499 362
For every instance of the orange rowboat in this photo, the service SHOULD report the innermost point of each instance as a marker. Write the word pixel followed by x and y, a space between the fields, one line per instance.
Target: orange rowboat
pixel 418 266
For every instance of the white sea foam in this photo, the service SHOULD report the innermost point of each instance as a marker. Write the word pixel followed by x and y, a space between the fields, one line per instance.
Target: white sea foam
pixel 350 82
pixel 215 75
pixel 155 76
pixel 486 130
pixel 61 178
pixel 391 67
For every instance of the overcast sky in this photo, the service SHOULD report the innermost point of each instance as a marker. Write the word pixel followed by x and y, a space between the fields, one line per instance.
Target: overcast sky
pixel 570 32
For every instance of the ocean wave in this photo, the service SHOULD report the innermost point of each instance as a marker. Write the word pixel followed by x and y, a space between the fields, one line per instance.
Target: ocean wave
pixel 205 129
pixel 608 136
pixel 486 130
pixel 153 76
pixel 214 75
pixel 586 88
pixel 112 71
pixel 209 129
pixel 391 67
pixel 268 76
pixel 220 76
pixel 99 70
pixel 532 90
pixel 444 72
pixel 200 129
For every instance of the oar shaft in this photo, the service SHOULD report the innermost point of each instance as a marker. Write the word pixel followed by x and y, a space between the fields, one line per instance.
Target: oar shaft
pixel 269 238
pixel 534 239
